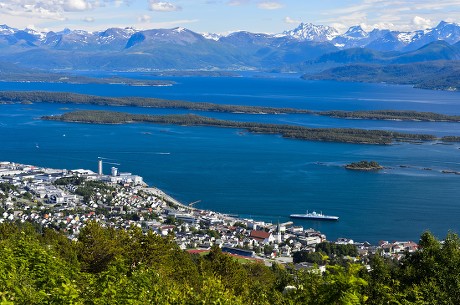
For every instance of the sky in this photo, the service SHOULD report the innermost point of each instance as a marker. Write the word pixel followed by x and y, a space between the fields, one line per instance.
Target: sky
pixel 225 16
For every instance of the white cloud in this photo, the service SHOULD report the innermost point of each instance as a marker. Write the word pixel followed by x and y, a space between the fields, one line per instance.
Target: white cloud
pixel 404 15
pixel 342 28
pixel 144 18
pixel 289 20
pixel 422 22
pixel 118 3
pixel 174 23
pixel 77 5
pixel 88 19
pixel 269 5
pixel 161 6
pixel 237 2
pixel 52 9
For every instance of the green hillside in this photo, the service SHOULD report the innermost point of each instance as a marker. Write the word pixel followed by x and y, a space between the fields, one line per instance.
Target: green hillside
pixel 110 266
pixel 437 75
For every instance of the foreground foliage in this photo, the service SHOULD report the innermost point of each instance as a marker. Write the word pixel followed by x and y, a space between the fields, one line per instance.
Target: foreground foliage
pixel 109 266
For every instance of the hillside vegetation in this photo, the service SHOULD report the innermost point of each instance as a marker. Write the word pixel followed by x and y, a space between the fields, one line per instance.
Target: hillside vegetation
pixel 437 75
pixel 110 266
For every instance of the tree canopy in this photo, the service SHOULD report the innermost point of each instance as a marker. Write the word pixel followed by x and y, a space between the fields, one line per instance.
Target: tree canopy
pixel 113 266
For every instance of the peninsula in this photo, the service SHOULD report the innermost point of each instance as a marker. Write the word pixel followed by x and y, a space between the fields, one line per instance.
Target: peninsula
pixel 346 135
pixel 32 76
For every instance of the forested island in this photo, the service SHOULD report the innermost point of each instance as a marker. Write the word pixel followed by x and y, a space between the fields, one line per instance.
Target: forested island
pixel 400 115
pixel 74 98
pixel 364 166
pixel 347 135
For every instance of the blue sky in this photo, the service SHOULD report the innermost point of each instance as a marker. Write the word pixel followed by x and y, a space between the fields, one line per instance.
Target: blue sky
pixel 223 16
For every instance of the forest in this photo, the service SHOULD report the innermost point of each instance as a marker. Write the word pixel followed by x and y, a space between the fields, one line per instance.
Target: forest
pixel 348 135
pixel 434 75
pixel 115 266
pixel 75 98
pixel 403 115
pixel 364 165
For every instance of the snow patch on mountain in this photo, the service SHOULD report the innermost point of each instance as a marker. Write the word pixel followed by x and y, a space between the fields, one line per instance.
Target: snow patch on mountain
pixel 405 37
pixel 311 32
pixel 179 29
pixel 355 32
pixel 211 36
pixel 6 30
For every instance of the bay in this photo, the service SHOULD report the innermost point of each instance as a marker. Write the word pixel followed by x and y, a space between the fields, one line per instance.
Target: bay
pixel 263 177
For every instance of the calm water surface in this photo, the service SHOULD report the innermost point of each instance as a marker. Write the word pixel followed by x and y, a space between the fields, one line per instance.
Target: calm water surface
pixel 264 176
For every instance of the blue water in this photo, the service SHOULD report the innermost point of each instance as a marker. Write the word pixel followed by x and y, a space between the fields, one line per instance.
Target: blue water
pixel 263 176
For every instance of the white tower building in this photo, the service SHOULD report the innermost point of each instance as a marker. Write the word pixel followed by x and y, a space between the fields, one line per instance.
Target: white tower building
pixel 99 167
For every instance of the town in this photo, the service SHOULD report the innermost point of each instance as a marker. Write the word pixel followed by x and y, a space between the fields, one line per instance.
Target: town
pixel 67 199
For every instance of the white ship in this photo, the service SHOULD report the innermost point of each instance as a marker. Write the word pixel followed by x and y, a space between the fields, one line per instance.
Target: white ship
pixel 314 215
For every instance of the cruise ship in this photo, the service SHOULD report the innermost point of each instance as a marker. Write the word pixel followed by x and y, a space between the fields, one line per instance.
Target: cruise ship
pixel 315 216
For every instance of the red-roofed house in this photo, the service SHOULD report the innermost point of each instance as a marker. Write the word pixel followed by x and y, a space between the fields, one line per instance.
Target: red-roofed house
pixel 262 236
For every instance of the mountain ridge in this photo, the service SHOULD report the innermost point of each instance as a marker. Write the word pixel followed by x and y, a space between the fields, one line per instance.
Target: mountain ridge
pixel 308 48
pixel 355 36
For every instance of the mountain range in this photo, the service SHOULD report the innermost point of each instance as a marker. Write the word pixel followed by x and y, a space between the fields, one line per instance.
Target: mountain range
pixel 125 38
pixel 308 48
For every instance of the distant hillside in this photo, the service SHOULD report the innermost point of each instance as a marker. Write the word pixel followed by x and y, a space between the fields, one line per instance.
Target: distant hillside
pixel 356 55
pixel 438 50
pixel 437 75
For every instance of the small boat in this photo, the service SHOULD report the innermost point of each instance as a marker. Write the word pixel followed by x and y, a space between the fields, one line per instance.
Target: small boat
pixel 314 215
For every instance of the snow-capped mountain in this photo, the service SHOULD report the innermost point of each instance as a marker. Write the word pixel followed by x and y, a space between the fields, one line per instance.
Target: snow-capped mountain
pixel 355 32
pixel 311 32
pixel 180 48
pixel 448 32
pixel 116 38
pixel 6 30
pixel 211 36
pixel 353 38
pixel 377 39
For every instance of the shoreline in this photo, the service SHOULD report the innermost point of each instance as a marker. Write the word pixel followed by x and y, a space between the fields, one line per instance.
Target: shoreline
pixel 31 97
pixel 345 135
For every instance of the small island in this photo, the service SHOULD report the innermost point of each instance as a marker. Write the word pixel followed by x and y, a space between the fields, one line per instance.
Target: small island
pixel 364 166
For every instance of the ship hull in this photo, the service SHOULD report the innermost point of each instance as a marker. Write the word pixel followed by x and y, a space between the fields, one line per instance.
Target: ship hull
pixel 325 217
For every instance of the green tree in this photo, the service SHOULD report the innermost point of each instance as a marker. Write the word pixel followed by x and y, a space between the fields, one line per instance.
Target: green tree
pixel 432 273
pixel 97 247
pixel 343 285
